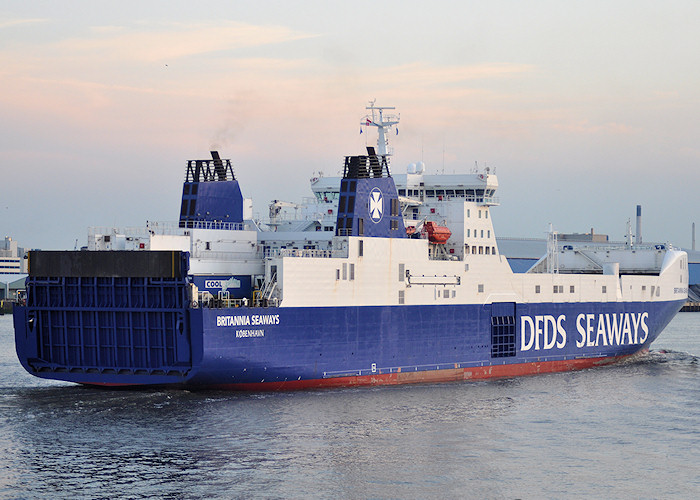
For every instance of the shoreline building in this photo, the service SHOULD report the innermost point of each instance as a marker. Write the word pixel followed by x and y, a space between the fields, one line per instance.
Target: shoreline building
pixel 13 270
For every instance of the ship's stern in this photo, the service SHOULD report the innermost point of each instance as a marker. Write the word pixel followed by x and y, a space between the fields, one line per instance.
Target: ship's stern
pixel 108 318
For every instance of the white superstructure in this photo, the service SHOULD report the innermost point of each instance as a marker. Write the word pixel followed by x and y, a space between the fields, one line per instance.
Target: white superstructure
pixel 298 260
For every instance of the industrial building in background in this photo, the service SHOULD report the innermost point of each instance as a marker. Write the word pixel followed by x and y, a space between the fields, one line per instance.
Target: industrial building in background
pixel 13 272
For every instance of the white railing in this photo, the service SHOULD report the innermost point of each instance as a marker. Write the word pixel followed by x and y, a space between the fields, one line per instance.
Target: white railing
pixel 202 254
pixel 138 231
pixel 206 299
pixel 268 287
pixel 292 252
pixel 177 228
pixel 163 228
pixel 613 246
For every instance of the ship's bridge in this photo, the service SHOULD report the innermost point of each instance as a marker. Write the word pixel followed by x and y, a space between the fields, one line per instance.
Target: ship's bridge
pixel 325 189
pixel 477 187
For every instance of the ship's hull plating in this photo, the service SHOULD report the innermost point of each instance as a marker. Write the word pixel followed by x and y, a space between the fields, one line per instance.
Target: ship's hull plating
pixel 306 347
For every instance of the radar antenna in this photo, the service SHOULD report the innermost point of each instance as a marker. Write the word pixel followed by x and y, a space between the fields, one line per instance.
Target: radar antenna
pixel 383 122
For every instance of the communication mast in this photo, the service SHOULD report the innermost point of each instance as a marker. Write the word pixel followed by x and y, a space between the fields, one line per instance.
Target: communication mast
pixel 383 124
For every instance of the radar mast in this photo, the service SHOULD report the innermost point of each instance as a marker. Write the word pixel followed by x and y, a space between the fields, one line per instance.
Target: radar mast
pixel 383 124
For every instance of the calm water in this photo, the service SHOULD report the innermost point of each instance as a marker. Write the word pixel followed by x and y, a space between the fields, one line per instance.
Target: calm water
pixel 628 431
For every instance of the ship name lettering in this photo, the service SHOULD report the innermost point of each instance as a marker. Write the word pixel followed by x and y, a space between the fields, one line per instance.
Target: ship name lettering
pixel 542 332
pixel 265 319
pixel 612 329
pixel 249 333
pixel 247 320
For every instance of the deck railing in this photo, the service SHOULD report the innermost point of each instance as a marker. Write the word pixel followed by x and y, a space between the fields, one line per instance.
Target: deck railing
pixel 293 252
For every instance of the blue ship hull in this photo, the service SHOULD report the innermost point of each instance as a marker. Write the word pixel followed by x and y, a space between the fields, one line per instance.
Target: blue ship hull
pixel 129 313
pixel 301 347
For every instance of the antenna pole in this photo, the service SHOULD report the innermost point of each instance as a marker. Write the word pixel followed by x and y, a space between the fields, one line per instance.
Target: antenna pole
pixel 382 123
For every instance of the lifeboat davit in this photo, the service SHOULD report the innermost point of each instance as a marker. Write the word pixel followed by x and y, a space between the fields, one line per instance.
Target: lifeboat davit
pixel 437 234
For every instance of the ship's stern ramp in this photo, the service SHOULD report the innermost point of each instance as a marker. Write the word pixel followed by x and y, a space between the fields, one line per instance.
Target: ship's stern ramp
pixel 106 317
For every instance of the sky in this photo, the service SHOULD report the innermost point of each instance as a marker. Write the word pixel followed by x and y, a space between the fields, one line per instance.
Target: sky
pixel 584 108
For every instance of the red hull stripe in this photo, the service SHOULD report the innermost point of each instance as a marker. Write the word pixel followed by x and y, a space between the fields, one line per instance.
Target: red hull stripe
pixel 448 375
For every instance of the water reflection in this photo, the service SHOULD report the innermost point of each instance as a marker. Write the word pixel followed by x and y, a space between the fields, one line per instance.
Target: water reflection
pixel 630 429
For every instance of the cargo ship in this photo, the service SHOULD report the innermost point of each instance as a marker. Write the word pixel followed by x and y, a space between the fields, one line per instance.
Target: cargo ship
pixel 400 287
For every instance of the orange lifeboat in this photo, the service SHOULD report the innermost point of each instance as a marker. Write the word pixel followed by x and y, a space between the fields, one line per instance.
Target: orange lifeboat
pixel 437 234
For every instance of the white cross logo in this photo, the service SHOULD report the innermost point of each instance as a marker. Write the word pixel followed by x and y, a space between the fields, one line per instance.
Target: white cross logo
pixel 376 205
